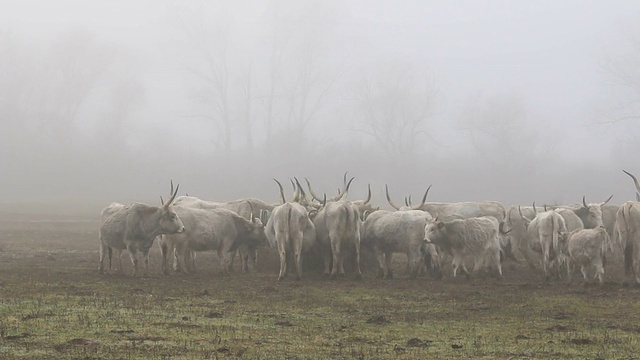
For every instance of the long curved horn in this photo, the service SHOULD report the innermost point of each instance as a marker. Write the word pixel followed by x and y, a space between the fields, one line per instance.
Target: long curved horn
pixel 161 201
pixel 296 192
pixel 313 195
pixel 284 200
pixel 173 195
pixel 535 211
pixel 406 201
pixel 393 205
pixel 344 179
pixel 369 194
pixel 324 200
pixel 304 195
pixel 635 180
pixel 344 192
pixel 251 210
pixel 526 221
pixel 584 202
pixel 606 201
pixel 424 199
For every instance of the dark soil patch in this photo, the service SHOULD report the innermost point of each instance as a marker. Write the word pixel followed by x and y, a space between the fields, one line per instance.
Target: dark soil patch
pixel 579 341
pixel 560 328
pixel 213 315
pixel 127 331
pixel 378 320
pixel 284 323
pixel 415 342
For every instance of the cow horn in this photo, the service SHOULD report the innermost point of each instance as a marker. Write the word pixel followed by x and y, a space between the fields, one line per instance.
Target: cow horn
pixel 324 199
pixel 161 200
pixel 313 195
pixel 296 192
pixel 544 206
pixel 522 216
pixel 635 180
pixel 304 195
pixel 364 215
pixel 535 211
pixel 173 194
pixel 424 199
pixel 251 210
pixel 369 194
pixel 393 205
pixel 584 202
pixel 606 201
pixel 344 179
pixel 345 192
pixel 284 200
pixel 406 201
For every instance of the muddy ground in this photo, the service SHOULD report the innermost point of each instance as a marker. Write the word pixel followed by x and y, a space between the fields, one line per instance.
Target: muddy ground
pixel 54 304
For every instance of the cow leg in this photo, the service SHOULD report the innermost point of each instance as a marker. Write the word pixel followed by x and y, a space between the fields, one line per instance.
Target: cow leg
pixel 358 271
pixel 413 261
pixel 283 257
pixel 381 263
pixel 585 276
pixel 387 259
pixel 335 251
pixel 226 258
pixel 327 262
pixel 545 264
pixel 600 272
pixel 297 256
pixel 118 255
pixel 133 254
pixel 145 254
pixel 180 253
pixel 192 261
pixel 164 252
pixel 103 250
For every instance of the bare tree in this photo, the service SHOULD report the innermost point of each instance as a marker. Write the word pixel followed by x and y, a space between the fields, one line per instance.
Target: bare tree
pixel 623 75
pixel 394 106
pixel 211 70
pixel 499 131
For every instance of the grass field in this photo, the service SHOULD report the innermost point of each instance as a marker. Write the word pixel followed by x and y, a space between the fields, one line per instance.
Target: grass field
pixel 54 305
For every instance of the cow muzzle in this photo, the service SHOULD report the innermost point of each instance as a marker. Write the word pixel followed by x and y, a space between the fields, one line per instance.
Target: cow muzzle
pixel 181 230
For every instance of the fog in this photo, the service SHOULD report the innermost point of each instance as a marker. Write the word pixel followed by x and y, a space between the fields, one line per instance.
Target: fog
pixel 486 100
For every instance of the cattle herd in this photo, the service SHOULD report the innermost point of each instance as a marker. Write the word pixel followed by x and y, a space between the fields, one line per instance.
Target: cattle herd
pixel 480 234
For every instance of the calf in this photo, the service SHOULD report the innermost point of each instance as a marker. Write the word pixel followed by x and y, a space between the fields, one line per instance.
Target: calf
pixel 475 237
pixel 587 248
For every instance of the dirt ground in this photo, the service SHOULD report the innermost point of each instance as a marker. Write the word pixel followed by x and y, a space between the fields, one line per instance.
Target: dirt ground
pixel 54 304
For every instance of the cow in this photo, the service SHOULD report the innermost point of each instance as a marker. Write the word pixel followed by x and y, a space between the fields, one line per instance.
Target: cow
pixel 542 238
pixel 586 248
pixel 387 232
pixel 476 237
pixel 337 226
pixel 134 227
pixel 244 207
pixel 515 225
pixel 291 231
pixel 628 237
pixel 212 229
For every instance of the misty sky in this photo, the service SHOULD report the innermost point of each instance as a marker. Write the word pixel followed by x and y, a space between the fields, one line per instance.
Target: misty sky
pixel 547 55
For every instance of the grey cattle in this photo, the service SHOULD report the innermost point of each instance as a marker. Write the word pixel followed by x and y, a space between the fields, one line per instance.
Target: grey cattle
pixel 387 232
pixel 474 237
pixel 590 214
pixel 337 226
pixel 517 228
pixel 628 237
pixel 586 248
pixel 134 227
pixel 291 231
pixel 542 238
pixel 244 207
pixel 221 230
pixel 628 234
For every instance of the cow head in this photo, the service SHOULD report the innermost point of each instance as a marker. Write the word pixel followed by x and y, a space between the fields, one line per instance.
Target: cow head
pixel 591 214
pixel 170 223
pixel 434 232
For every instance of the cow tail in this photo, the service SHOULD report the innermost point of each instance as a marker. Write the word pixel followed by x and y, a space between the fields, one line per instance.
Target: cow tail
pixel 628 246
pixel 287 233
pixel 555 227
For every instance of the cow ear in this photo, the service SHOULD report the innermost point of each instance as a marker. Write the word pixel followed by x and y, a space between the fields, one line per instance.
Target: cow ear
pixel 440 225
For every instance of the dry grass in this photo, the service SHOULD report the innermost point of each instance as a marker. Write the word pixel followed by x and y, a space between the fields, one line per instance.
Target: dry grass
pixel 54 305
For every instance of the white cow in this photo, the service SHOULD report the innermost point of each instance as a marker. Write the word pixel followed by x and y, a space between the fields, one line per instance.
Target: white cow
pixel 586 248
pixel 474 237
